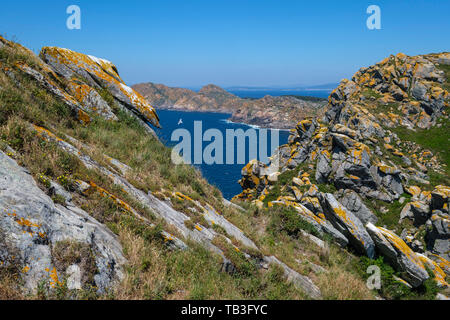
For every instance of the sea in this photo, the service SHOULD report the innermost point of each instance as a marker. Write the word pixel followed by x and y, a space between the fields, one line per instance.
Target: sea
pixel 224 176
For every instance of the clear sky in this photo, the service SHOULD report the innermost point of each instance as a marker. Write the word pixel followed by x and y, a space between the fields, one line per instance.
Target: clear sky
pixel 233 42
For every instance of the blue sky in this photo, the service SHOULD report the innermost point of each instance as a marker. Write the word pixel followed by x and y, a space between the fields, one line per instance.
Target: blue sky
pixel 233 42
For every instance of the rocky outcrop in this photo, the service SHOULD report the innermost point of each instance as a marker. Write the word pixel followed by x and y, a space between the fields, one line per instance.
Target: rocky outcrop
pixel 33 226
pixel 270 112
pixel 86 73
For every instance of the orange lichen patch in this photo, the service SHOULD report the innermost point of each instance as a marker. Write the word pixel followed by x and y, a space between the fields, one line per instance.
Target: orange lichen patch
pixel 245 195
pixel 262 196
pixel 13 213
pixel 107 66
pixel 296 191
pixel 356 153
pixel 388 146
pixel 168 237
pixel 439 274
pixel 299 208
pixel 398 153
pixel 313 189
pixel 79 90
pixel 386 169
pixel 304 174
pixel 413 191
pixel 443 263
pixel 25 269
pixel 105 71
pixel 181 196
pixel 304 125
pixel 198 227
pixel 42 131
pixel 402 281
pixel 427 154
pixel 339 210
pixel 48 81
pixel 326 153
pixel 400 245
pixel 54 280
pixel 83 117
pixel 298 181
pixel 444 191
pixel 306 181
pixel 387 98
pixel 27 223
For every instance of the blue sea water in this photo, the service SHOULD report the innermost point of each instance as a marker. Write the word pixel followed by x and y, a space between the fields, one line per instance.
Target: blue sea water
pixel 224 176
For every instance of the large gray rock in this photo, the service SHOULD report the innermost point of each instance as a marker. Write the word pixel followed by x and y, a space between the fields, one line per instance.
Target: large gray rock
pixel 348 224
pixel 417 211
pixel 353 202
pixel 31 225
pixel 98 73
pixel 399 255
pixel 438 237
pixel 323 169
pixel 297 279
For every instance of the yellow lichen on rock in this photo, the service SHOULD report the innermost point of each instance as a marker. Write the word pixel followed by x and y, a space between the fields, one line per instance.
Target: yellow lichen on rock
pixel 439 274
pixel 103 71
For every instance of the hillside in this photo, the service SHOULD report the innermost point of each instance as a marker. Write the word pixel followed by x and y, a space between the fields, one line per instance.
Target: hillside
pixel 373 173
pixel 271 112
pixel 91 208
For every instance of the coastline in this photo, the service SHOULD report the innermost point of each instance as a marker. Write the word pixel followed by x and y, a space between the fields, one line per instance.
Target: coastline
pixel 230 116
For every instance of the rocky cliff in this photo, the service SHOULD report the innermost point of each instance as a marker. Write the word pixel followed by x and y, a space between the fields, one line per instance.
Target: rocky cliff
pixel 373 173
pixel 269 112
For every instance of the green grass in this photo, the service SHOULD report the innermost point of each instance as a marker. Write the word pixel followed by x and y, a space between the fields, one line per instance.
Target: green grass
pixel 392 216
pixel 371 93
pixel 446 69
pixel 288 220
pixel 437 139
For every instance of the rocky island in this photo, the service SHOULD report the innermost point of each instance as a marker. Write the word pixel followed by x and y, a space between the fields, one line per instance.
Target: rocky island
pixel 267 112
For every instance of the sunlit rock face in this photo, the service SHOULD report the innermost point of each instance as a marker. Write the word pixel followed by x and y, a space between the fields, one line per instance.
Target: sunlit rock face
pixel 82 70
